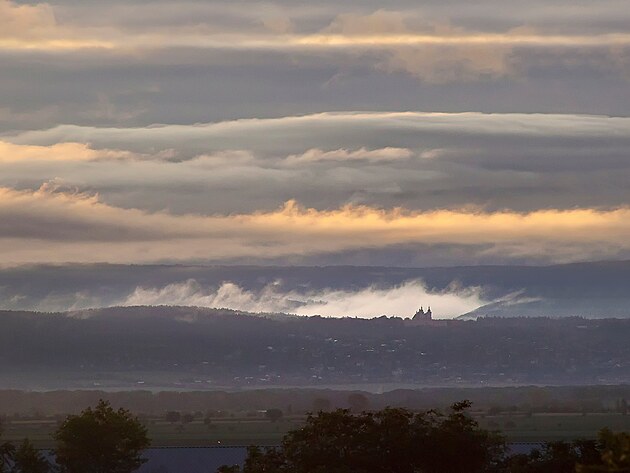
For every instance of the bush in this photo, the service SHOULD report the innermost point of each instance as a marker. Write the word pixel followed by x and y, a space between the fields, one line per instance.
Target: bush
pixel 101 440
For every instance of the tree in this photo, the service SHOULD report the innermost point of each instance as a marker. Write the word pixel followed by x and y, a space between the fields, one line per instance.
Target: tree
pixel 229 469
pixel 6 456
pixel 101 440
pixel 455 443
pixel 29 460
pixel 554 457
pixel 7 451
pixel 615 456
pixel 387 441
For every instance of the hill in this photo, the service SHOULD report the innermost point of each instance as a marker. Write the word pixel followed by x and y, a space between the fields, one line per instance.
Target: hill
pixel 193 348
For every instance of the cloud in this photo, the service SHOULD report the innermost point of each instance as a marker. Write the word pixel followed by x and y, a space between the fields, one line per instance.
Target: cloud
pixel 348 129
pixel 413 160
pixel 29 21
pixel 380 22
pixel 134 64
pixel 156 127
pixel 55 226
pixel 343 155
pixel 423 42
pixel 32 27
pixel 432 51
pixel 372 302
pixel 12 153
pixel 228 295
pixel 368 302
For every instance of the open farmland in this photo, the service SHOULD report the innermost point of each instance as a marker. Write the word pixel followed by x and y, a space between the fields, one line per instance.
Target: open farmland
pixel 259 431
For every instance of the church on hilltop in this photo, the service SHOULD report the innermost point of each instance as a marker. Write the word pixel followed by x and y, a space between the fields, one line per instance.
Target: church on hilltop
pixel 422 316
pixel 426 318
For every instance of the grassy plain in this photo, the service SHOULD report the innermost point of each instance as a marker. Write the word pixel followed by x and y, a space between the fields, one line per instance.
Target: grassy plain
pixel 260 431
pixel 547 427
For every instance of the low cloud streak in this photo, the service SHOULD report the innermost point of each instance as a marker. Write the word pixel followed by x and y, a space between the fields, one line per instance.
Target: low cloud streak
pixel 344 155
pixel 365 303
pixel 60 152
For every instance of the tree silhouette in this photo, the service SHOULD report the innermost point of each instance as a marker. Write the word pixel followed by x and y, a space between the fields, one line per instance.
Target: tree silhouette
pixel 388 441
pixel 101 440
pixel 6 456
pixel 29 460
pixel 615 456
pixel 7 450
pixel 554 457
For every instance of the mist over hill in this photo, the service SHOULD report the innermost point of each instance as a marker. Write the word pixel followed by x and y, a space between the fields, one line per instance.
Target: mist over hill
pixel 592 290
pixel 185 348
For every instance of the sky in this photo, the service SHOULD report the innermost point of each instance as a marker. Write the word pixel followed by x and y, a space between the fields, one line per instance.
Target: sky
pixel 286 132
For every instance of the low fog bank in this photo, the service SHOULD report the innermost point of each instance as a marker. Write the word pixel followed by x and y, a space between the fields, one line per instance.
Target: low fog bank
pixel 400 300
pixel 594 290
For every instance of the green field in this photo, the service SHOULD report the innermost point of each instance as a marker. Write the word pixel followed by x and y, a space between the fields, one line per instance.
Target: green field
pixel 245 431
pixel 259 431
pixel 544 427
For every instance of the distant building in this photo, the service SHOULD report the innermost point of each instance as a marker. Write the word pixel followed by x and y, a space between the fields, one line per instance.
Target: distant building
pixel 422 316
pixel 426 318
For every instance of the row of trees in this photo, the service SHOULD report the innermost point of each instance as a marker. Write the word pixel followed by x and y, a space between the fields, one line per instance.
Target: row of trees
pixel 105 440
pixel 400 441
pixel 99 440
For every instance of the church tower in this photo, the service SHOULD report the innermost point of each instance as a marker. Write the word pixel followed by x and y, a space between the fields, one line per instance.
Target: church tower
pixel 422 316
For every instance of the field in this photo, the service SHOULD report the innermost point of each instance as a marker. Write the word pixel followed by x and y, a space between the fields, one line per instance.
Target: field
pixel 546 427
pixel 260 431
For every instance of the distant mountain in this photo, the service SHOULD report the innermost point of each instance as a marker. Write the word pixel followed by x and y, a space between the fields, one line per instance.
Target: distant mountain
pixel 523 306
pixel 593 290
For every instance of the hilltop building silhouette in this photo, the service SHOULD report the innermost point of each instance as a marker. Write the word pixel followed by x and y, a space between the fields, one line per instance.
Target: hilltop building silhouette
pixel 426 318
pixel 422 316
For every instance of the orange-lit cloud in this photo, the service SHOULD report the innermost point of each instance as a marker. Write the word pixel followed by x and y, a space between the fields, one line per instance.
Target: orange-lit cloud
pixel 34 27
pixel 430 48
pixel 46 225
pixel 12 153
pixel 418 161
pixel 310 41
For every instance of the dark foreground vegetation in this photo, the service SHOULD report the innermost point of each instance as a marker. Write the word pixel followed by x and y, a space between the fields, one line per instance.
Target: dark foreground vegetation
pixel 262 417
pixel 99 440
pixel 400 441
pixel 391 440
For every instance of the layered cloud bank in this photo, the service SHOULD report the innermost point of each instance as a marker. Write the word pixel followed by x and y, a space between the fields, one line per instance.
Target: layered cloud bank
pixel 47 225
pixel 135 63
pixel 484 187
pixel 210 131
pixel 418 161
